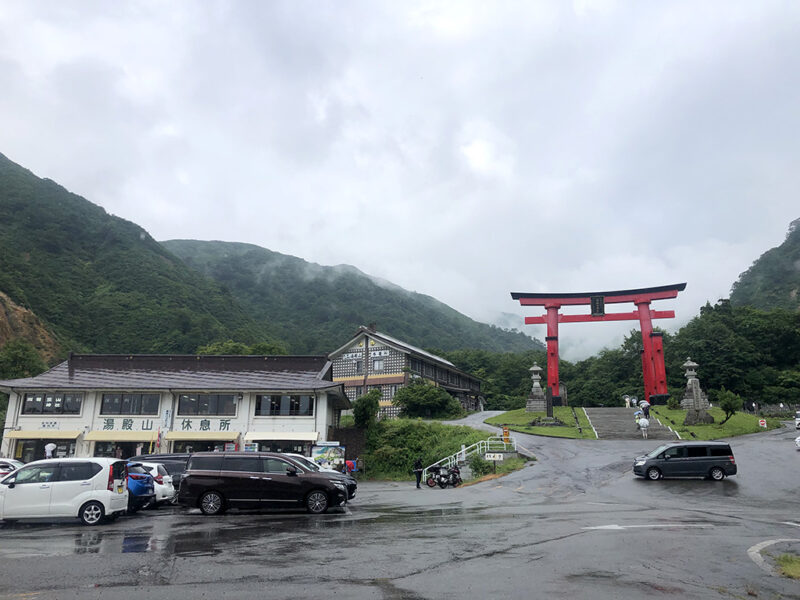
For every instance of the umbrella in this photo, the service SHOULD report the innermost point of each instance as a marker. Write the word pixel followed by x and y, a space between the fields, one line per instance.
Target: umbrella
pixel 638 412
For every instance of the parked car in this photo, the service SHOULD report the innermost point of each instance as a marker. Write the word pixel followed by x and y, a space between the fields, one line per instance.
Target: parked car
pixel 162 483
pixel 9 465
pixel 216 481
pixel 797 420
pixel 90 489
pixel 687 459
pixel 307 463
pixel 175 464
pixel 141 487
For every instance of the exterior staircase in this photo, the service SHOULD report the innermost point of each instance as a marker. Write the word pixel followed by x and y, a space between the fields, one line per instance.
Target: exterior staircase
pixel 619 424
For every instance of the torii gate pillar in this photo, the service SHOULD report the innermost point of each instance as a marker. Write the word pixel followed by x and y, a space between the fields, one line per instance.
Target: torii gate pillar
pixel 653 368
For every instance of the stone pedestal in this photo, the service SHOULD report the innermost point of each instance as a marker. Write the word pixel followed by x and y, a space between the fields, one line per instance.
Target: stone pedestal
pixel 537 402
pixel 695 401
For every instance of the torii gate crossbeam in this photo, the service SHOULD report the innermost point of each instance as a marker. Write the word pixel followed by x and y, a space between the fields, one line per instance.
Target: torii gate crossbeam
pixel 653 368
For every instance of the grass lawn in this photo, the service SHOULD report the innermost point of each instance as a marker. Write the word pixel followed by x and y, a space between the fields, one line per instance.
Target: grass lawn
pixel 738 424
pixel 518 420
pixel 790 565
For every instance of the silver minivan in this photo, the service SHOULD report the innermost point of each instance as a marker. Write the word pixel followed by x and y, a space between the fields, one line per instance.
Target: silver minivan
pixel 712 460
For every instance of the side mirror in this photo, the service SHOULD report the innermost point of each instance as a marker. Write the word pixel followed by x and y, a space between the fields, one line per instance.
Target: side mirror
pixel 291 470
pixel 10 483
pixel 667 457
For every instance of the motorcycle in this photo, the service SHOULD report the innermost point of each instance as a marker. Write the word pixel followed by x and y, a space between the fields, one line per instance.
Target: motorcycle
pixel 454 476
pixel 437 476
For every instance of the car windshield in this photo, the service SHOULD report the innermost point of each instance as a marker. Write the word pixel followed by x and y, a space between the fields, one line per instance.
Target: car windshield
pixel 307 463
pixel 657 451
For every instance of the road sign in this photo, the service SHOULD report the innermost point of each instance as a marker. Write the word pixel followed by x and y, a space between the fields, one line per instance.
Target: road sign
pixel 497 456
pixel 762 423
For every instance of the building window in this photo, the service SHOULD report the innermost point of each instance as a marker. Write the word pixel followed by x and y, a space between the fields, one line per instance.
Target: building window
pixel 285 406
pixel 222 405
pixel 359 367
pixel 414 365
pixel 57 403
pixel 130 404
pixel 377 364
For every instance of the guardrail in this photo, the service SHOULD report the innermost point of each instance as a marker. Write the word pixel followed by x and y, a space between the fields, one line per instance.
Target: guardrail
pixel 492 444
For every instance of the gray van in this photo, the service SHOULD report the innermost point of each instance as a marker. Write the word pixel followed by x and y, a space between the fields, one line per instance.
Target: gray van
pixel 687 459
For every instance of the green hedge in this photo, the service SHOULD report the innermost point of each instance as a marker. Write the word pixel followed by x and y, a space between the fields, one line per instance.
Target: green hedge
pixel 393 445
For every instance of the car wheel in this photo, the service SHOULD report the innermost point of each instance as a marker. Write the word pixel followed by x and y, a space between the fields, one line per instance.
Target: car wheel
pixel 717 474
pixel 92 513
pixel 212 503
pixel 174 499
pixel 317 502
pixel 653 474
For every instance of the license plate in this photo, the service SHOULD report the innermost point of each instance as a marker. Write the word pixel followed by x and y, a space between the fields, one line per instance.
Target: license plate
pixel 119 489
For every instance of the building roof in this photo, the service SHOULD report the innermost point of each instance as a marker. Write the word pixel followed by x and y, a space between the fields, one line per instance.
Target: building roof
pixel 184 372
pixel 392 341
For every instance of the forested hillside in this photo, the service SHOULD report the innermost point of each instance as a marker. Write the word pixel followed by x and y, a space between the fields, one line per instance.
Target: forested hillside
pixel 317 309
pixel 773 281
pixel 101 283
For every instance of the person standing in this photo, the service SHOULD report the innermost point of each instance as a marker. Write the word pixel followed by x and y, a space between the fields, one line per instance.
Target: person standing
pixel 49 449
pixel 418 470
pixel 644 423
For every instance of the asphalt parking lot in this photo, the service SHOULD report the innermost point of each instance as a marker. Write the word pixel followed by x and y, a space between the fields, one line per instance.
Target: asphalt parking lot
pixel 574 524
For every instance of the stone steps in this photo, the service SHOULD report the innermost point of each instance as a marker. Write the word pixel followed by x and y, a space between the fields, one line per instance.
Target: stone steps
pixel 619 424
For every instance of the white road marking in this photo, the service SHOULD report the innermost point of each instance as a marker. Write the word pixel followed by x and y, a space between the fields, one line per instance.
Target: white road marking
pixel 791 523
pixel 616 527
pixel 754 552
pixel 597 437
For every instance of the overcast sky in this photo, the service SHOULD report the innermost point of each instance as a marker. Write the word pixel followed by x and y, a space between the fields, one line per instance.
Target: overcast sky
pixel 461 150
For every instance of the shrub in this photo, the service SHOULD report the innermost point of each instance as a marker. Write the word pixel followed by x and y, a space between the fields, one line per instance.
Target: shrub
pixel 365 409
pixel 673 403
pixel 479 465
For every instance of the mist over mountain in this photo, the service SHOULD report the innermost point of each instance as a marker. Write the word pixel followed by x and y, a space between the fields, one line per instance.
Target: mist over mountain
pixel 314 308
pixel 95 282
pixel 773 280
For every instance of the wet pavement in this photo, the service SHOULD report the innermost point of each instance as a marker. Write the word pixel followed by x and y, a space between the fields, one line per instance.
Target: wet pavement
pixel 574 524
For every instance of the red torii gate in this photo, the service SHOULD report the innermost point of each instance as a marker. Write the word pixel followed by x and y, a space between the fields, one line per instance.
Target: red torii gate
pixel 655 375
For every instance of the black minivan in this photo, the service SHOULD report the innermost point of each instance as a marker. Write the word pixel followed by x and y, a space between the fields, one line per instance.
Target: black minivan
pixel 687 459
pixel 216 481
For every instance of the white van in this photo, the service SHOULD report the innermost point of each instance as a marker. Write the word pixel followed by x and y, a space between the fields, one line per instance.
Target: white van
pixel 90 489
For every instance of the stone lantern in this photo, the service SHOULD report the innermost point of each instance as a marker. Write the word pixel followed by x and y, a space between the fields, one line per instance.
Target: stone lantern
pixel 536 399
pixel 695 401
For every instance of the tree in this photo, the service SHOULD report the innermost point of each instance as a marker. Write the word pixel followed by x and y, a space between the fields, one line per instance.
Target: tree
pixel 729 402
pixel 18 358
pixel 423 399
pixel 365 409
pixel 238 348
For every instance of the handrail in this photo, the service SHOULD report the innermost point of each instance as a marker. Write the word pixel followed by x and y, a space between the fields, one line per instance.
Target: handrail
pixel 494 443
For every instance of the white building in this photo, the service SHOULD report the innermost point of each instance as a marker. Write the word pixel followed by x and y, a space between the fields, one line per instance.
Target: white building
pixel 123 405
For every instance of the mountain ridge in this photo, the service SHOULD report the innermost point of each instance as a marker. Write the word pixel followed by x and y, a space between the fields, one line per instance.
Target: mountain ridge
pixel 272 283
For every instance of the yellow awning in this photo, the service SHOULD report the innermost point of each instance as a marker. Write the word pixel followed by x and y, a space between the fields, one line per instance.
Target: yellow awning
pixel 211 436
pixel 303 436
pixel 99 435
pixel 42 434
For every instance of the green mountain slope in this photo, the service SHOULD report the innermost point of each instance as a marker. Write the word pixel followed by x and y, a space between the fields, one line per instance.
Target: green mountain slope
pixel 102 283
pixel 773 281
pixel 316 309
